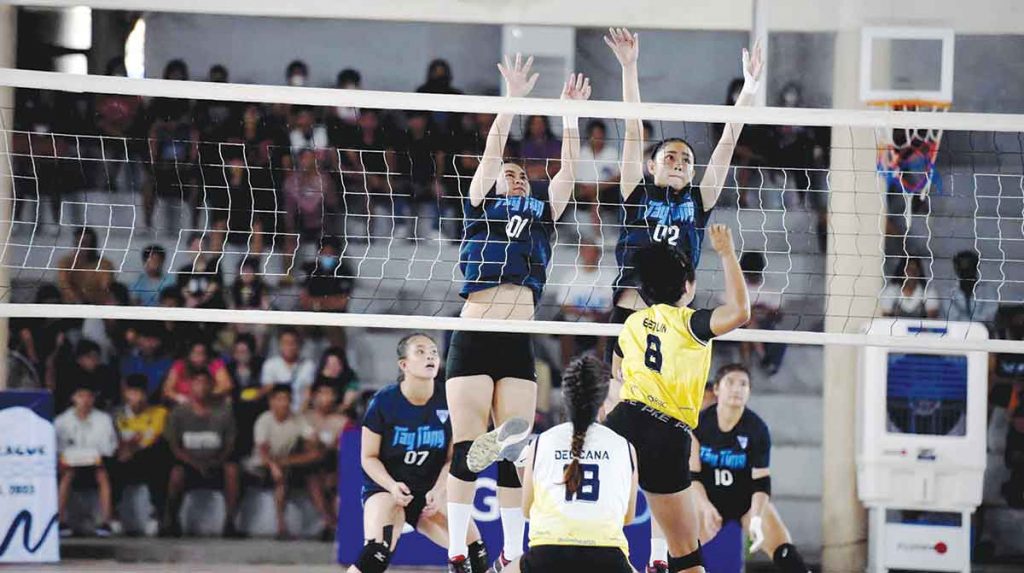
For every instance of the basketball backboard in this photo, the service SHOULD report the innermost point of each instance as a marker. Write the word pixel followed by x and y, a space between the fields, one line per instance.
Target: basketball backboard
pixel 906 63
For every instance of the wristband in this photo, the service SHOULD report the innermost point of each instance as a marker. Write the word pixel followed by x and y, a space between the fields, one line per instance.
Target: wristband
pixel 763 484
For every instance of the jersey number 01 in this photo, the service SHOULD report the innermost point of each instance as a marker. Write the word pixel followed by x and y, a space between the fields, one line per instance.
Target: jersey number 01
pixel 515 227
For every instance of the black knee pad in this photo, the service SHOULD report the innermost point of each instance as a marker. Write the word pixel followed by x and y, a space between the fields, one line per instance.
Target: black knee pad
pixel 788 559
pixel 694 559
pixel 374 558
pixel 458 468
pixel 508 476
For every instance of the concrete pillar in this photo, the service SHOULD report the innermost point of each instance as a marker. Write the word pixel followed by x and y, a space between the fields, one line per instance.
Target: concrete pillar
pixel 8 40
pixel 854 281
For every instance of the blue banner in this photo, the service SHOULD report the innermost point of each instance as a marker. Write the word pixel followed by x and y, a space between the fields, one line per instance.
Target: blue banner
pixel 724 554
pixel 28 478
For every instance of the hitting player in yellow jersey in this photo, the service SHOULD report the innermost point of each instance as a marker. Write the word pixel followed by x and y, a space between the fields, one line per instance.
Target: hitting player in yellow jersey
pixel 662 360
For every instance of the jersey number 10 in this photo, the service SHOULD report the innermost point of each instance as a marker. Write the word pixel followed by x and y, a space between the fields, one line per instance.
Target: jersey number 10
pixel 723 477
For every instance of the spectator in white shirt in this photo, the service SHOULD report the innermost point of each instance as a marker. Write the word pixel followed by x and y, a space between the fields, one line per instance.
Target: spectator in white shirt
pixel 286 453
pixel 587 299
pixel 84 437
pixel 288 367
pixel 907 294
pixel 598 167
pixel 968 301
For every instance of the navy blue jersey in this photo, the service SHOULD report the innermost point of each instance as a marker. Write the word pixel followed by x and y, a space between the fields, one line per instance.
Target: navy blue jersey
pixel 507 239
pixel 413 439
pixel 728 458
pixel 654 214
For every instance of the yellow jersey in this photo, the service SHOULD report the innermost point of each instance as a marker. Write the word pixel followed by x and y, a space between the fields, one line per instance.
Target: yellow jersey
pixel 147 426
pixel 665 364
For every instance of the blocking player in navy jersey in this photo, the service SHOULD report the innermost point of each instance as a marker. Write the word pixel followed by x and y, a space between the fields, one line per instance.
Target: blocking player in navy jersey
pixel 730 457
pixel 666 207
pixel 504 256
pixel 406 449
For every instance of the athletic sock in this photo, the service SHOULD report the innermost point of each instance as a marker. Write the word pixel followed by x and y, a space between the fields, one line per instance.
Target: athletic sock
pixel 659 550
pixel 513 526
pixel 459 515
pixel 788 559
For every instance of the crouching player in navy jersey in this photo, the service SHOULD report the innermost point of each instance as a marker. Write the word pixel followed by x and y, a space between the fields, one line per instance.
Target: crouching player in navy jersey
pixel 580 488
pixel 406 450
pixel 730 459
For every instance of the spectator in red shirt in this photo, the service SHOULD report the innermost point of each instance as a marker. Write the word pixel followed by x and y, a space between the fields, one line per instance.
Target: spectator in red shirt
pixel 178 386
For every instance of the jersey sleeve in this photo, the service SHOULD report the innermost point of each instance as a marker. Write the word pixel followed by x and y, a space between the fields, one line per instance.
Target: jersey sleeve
pixel 700 215
pixel 374 418
pixel 700 325
pixel 760 454
pixel 626 334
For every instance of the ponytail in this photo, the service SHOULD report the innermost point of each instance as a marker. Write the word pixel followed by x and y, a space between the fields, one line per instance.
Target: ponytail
pixel 585 386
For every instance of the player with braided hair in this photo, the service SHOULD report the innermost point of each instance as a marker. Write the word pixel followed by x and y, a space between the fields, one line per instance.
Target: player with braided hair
pixel 580 487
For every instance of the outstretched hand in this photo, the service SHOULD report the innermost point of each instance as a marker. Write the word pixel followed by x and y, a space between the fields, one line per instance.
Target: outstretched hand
pixel 624 44
pixel 518 81
pixel 576 87
pixel 753 64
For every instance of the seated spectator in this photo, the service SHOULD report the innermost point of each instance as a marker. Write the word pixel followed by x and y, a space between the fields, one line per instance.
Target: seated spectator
pixel 341 121
pixel 286 454
pixel 120 116
pixel 216 118
pixel 201 281
pixel 599 167
pixel 765 314
pixel 1006 388
pixel 308 133
pixel 309 193
pixel 85 276
pixel 365 160
pixel 142 454
pixel 247 397
pixel 201 436
pixel 109 334
pixel 85 436
pixel 85 367
pixel 802 151
pixel 439 81
pixel 180 378
pixel 148 358
pixel 297 73
pixel 327 287
pixel 334 371
pixel 906 295
pixel 288 367
pixel 327 425
pixel 587 299
pixel 541 150
pixel 964 304
pixel 421 162
pixel 249 292
pixel 36 339
pixel 146 289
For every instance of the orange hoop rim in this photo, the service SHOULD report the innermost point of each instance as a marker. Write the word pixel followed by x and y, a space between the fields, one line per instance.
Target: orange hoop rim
pixel 921 104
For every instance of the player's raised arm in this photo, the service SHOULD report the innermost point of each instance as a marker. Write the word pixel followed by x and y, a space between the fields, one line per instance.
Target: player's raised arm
pixel 577 87
pixel 735 312
pixel 721 159
pixel 518 83
pixel 626 47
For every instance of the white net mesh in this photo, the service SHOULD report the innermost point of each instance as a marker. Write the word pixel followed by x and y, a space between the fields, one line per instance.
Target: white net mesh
pixel 251 203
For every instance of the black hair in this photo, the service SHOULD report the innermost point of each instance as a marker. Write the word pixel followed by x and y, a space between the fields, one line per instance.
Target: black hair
pixel 596 123
pixel 727 369
pixel 153 250
pixel 120 294
pixel 176 66
pixel 548 134
pixel 114 64
pixel 218 69
pixel 47 292
pixel 172 292
pixel 734 86
pixel 281 388
pixel 86 346
pixel 246 339
pixel 403 346
pixel 289 330
pixel 657 146
pixel 753 263
pixel 349 76
pixel 663 273
pixel 585 387
pixel 965 263
pixel 137 381
pixel 296 66
pixel 900 274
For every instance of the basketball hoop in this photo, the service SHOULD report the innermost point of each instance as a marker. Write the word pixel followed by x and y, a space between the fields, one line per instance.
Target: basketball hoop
pixel 906 157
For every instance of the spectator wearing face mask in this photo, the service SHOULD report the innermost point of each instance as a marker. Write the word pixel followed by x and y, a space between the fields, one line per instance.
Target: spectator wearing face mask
pixel 970 301
pixel 329 282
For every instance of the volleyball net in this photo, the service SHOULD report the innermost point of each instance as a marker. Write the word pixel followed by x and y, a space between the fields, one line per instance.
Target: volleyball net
pixel 271 204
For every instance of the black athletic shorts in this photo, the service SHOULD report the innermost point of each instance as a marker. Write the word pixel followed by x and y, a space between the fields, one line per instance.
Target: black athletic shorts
pixel 213 479
pixel 495 354
pixel 413 511
pixel 662 446
pixel 564 558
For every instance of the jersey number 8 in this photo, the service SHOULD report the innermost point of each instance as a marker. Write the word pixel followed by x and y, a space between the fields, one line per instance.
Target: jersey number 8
pixel 590 485
pixel 652 357
pixel 415 458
